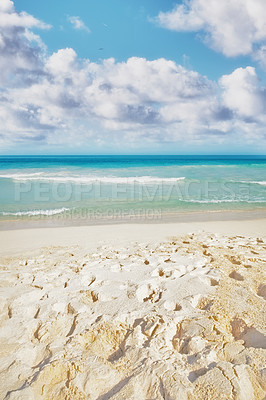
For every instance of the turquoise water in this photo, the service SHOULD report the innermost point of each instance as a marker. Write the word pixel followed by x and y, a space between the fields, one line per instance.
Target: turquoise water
pixel 130 186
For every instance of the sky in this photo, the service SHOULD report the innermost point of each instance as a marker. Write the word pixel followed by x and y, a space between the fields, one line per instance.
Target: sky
pixel 133 77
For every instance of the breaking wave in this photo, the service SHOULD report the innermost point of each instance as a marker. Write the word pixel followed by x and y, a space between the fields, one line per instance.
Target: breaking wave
pixel 36 212
pixel 39 176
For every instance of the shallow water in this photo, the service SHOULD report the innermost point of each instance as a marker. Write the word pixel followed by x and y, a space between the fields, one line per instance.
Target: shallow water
pixel 106 186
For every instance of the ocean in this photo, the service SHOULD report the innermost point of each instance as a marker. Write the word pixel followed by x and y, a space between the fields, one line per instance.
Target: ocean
pixel 137 187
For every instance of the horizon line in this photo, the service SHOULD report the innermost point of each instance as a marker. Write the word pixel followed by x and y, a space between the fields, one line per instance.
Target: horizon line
pixel 132 155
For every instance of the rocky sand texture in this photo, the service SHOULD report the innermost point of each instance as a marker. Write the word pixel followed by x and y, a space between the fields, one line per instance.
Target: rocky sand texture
pixel 182 319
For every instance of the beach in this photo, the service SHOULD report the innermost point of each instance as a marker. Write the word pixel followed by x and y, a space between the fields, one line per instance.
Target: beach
pixel 132 277
pixel 134 311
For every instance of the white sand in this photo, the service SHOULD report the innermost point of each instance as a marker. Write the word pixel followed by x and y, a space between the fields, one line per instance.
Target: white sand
pixel 122 312
pixel 23 240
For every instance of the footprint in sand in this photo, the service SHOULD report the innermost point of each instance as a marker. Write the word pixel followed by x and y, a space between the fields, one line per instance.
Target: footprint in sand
pixel 171 305
pixel 148 293
pixel 251 336
pixel 235 275
pixel 233 260
pixel 214 282
pixel 162 272
pixel 262 291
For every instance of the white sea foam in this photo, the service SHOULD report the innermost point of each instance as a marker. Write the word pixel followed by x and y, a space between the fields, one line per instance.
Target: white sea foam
pixel 216 201
pixel 90 179
pixel 36 212
pixel 34 175
pixel 263 183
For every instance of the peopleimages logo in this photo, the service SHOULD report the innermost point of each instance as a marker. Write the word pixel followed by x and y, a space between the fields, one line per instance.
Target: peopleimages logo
pixel 164 190
pixel 114 214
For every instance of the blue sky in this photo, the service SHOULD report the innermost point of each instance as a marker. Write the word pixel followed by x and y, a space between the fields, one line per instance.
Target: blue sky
pixel 123 29
pixel 142 76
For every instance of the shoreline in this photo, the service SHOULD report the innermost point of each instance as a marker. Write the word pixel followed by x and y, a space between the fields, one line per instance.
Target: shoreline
pixel 173 304
pixel 20 241
pixel 58 221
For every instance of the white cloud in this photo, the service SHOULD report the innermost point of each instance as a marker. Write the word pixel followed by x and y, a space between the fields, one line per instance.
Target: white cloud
pixel 60 97
pixel 18 52
pixel 9 18
pixel 159 99
pixel 61 63
pixel 78 24
pixel 242 93
pixel 232 27
pixel 118 95
pixel 6 6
